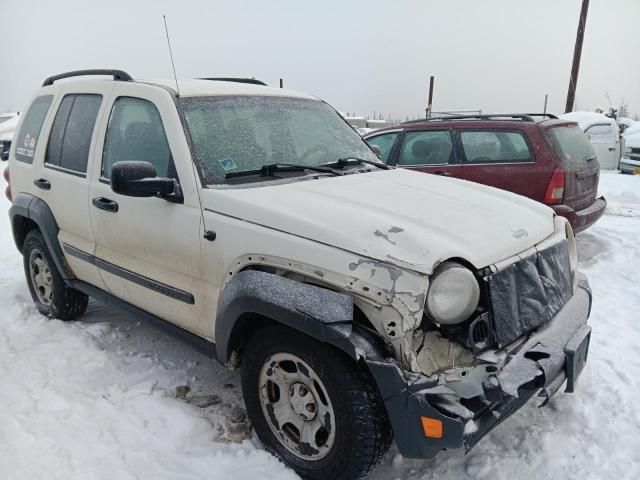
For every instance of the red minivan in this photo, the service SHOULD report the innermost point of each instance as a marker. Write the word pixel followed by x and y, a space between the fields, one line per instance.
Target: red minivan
pixel 536 155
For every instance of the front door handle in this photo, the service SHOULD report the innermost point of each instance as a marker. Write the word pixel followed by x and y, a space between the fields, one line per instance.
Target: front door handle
pixel 105 204
pixel 444 174
pixel 612 149
pixel 42 183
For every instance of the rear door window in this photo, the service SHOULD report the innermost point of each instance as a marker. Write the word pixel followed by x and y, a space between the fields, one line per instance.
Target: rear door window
pixel 570 144
pixel 71 133
pixel 385 142
pixel 483 146
pixel 27 139
pixel 431 147
pixel 136 132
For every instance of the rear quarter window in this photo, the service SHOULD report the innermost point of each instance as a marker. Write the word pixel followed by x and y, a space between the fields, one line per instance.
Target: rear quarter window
pixel 27 138
pixel 570 144
pixel 483 146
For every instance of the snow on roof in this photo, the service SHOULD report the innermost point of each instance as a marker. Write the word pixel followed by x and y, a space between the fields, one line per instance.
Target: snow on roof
pixel 377 121
pixel 625 121
pixel 587 119
pixel 632 129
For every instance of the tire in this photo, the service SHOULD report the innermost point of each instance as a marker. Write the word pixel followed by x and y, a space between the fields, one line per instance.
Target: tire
pixel 51 295
pixel 348 444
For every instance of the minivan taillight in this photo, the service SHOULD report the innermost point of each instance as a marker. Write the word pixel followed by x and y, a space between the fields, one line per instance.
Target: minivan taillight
pixel 555 189
pixel 7 191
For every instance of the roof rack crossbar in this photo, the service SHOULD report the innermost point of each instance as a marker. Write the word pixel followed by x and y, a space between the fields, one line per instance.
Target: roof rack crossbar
pixel 525 117
pixel 253 81
pixel 548 115
pixel 118 75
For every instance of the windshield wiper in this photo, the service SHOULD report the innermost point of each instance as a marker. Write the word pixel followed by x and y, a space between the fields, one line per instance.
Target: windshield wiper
pixel 270 169
pixel 343 162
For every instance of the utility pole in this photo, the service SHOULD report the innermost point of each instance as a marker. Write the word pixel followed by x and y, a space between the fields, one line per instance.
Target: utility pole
pixel 577 53
pixel 430 101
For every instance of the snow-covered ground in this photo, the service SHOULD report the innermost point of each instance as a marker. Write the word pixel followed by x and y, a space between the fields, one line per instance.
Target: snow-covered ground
pixel 97 399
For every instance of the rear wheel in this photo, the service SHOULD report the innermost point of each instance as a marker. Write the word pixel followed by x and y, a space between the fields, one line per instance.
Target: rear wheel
pixel 51 295
pixel 312 406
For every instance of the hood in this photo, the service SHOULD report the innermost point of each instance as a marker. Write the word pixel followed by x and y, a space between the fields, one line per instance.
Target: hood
pixel 410 219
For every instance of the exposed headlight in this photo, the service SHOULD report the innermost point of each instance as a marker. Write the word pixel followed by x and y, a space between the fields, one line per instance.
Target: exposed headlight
pixel 453 295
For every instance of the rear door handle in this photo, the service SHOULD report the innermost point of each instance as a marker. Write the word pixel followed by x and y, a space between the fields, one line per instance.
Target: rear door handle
pixel 105 204
pixel 42 183
pixel 444 174
pixel 612 149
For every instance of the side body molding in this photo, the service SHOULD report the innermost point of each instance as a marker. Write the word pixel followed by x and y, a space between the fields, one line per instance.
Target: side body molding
pixel 27 206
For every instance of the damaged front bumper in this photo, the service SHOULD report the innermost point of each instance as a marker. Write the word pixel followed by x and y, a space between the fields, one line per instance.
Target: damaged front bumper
pixel 552 356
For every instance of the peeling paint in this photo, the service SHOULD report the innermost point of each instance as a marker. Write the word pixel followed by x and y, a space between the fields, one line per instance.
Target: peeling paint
pixel 380 234
pixel 272 415
pixel 327 422
pixel 306 449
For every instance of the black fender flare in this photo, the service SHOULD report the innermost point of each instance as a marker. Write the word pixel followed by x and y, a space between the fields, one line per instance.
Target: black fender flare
pixel 318 312
pixel 328 317
pixel 35 209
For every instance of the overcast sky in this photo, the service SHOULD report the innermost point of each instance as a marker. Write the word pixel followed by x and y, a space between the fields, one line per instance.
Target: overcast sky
pixel 360 56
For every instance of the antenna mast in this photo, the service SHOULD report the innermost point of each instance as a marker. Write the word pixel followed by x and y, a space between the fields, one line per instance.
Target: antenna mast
pixel 175 77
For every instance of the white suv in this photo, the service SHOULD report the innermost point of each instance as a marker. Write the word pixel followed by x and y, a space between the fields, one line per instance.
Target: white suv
pixel 361 301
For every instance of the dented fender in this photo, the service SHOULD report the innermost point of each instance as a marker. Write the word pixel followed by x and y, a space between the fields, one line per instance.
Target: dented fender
pixel 318 312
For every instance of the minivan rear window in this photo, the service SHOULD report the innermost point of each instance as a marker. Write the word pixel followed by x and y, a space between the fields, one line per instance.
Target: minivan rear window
pixel 570 144
pixel 30 130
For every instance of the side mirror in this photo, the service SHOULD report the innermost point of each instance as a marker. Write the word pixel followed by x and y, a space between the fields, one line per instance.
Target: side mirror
pixel 377 150
pixel 139 179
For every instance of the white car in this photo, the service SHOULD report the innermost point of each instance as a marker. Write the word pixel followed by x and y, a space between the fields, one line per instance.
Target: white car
pixel 603 133
pixel 362 302
pixel 8 123
pixel 630 162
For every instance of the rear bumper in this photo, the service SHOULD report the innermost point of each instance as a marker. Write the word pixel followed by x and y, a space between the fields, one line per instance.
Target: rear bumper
pixel 582 219
pixel 551 357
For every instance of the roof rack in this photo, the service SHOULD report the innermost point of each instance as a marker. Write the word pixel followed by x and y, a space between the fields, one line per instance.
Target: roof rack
pixel 118 75
pixel 547 115
pixel 253 81
pixel 524 117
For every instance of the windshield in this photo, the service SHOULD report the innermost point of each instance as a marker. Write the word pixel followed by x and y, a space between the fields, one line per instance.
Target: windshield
pixel 235 134
pixel 570 144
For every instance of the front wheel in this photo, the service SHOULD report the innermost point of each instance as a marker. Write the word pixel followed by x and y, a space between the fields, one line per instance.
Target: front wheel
pixel 312 406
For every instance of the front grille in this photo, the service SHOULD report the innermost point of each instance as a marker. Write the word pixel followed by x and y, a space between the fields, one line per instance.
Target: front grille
pixel 529 292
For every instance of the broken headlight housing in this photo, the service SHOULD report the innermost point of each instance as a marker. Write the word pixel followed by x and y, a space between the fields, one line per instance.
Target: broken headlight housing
pixel 453 295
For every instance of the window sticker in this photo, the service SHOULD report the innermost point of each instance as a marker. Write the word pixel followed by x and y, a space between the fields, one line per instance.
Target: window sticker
pixel 227 164
pixel 27 138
